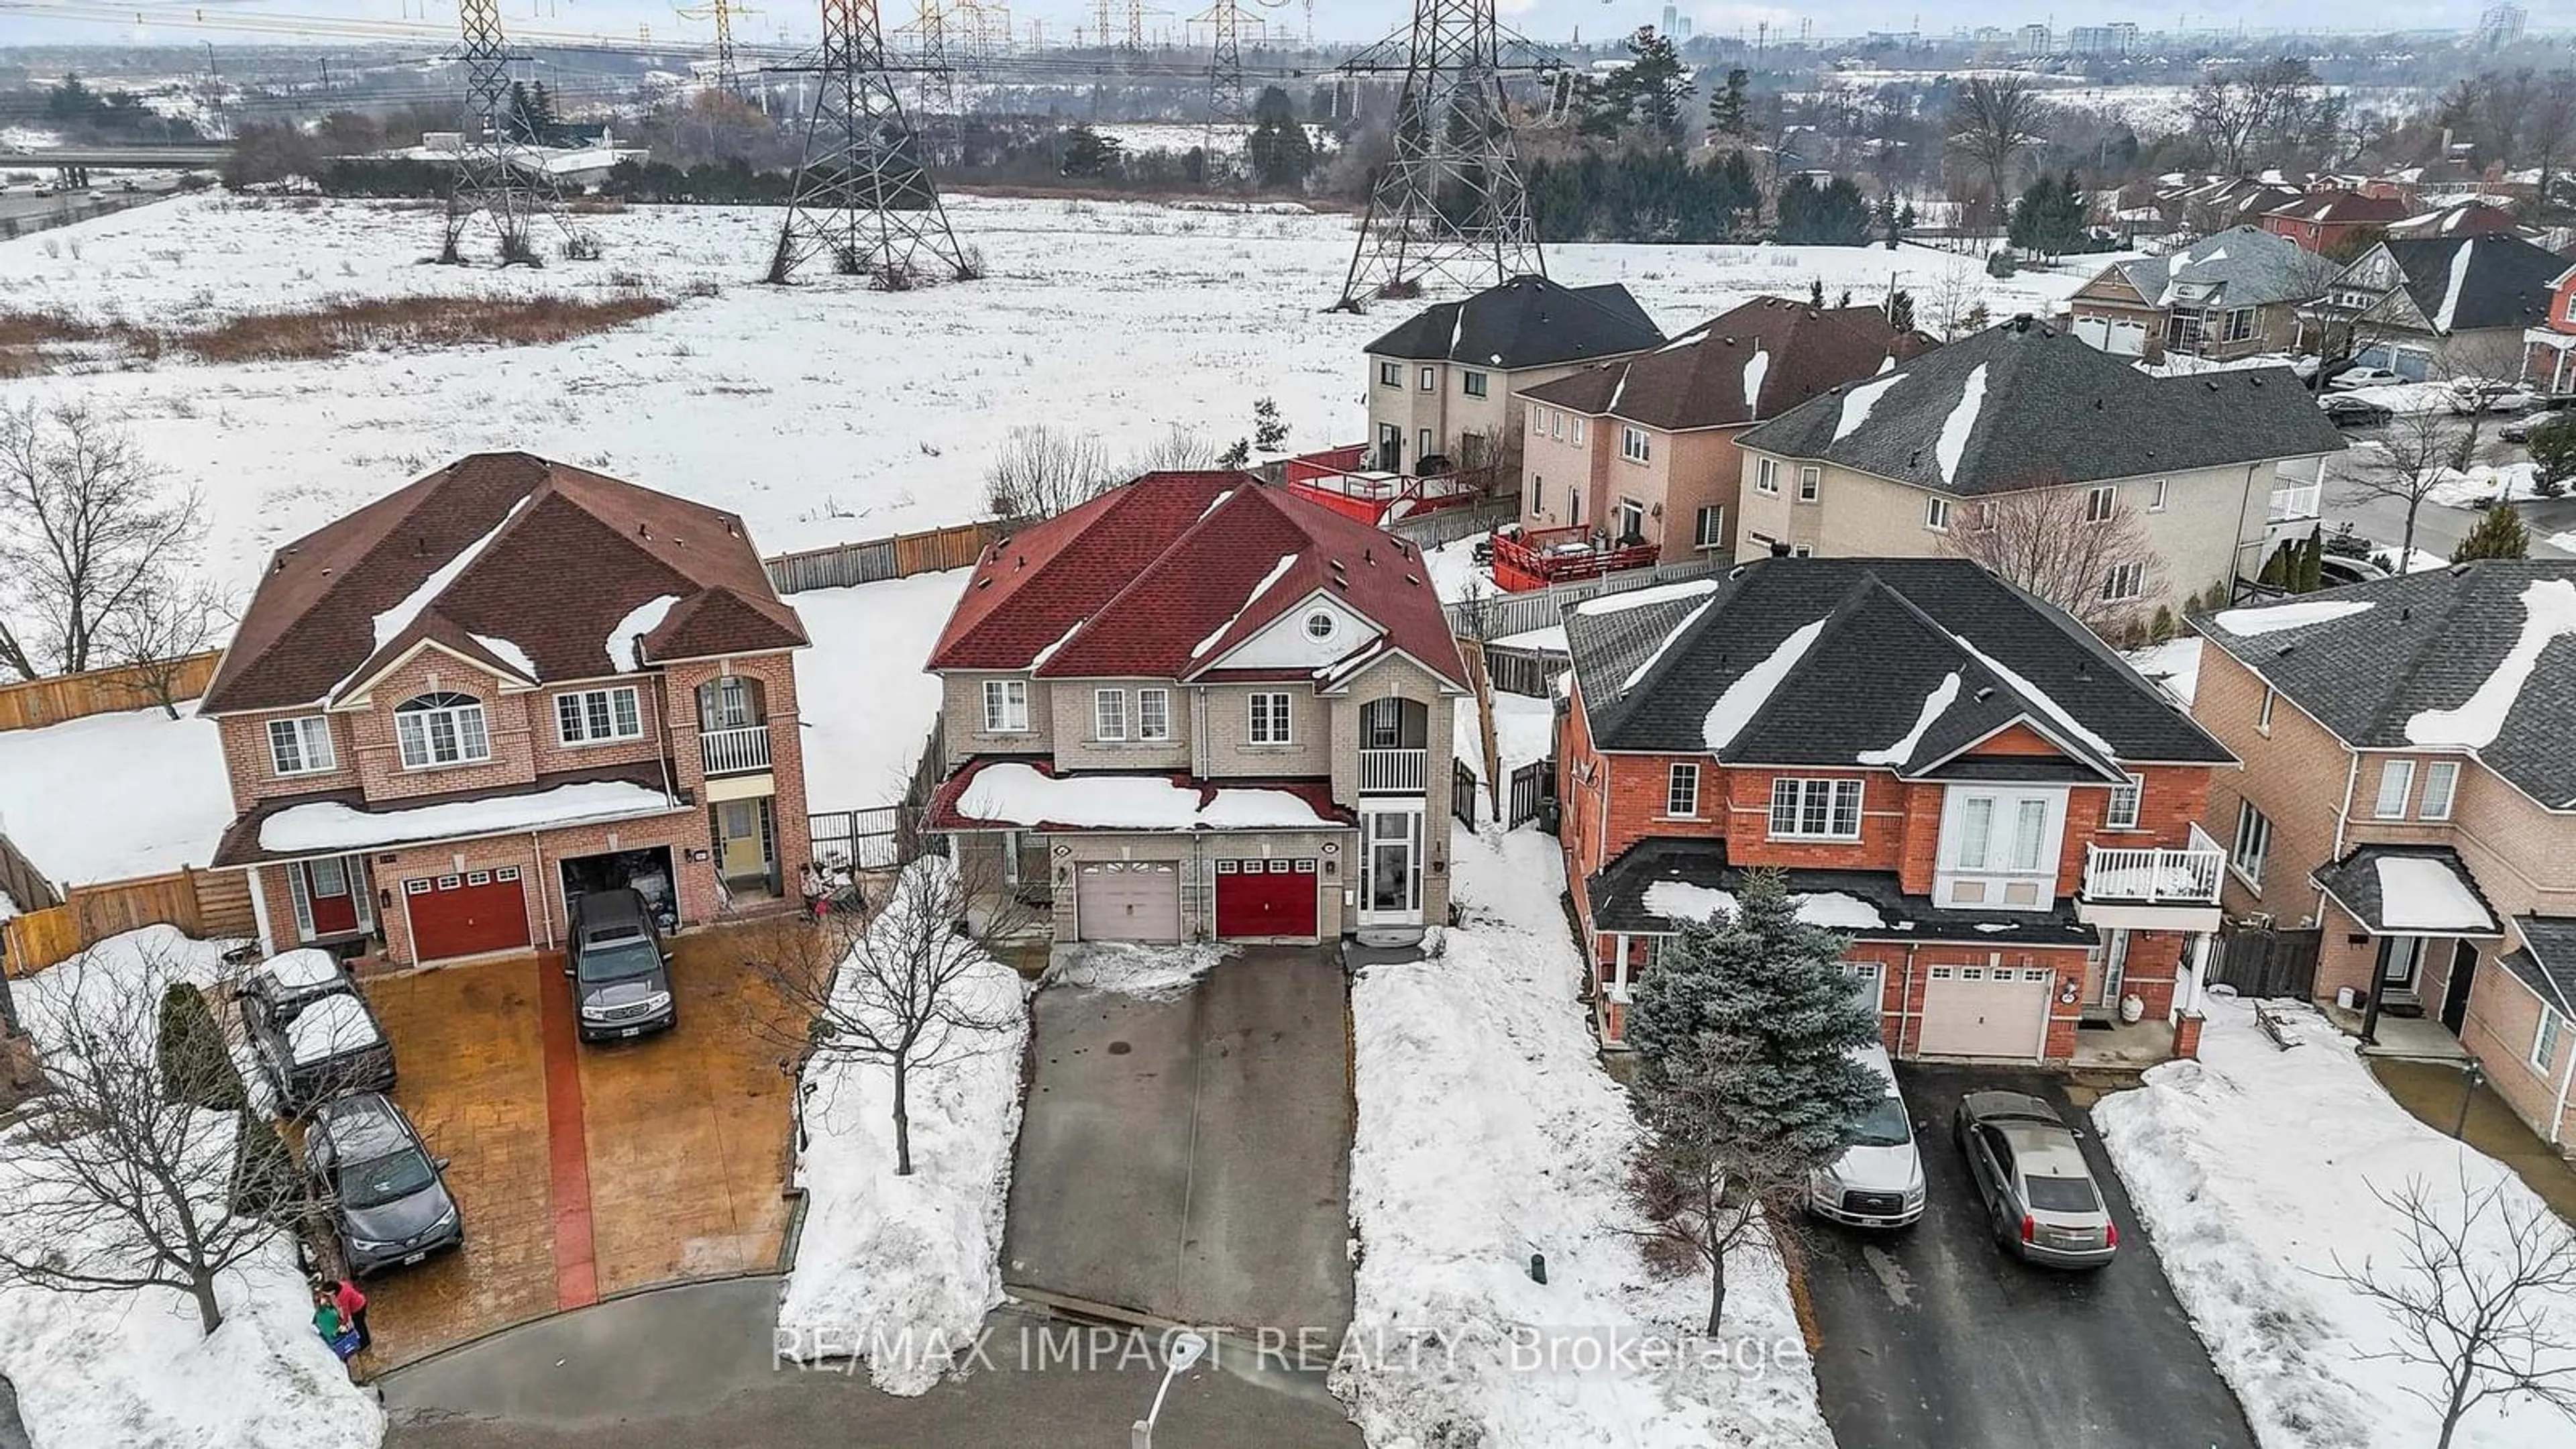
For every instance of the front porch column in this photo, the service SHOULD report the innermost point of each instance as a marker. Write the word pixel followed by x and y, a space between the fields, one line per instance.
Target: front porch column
pixel 1619 969
pixel 259 912
pixel 2187 992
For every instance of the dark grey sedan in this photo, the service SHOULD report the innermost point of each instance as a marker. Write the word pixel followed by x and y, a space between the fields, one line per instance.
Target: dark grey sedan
pixel 2039 1194
pixel 388 1202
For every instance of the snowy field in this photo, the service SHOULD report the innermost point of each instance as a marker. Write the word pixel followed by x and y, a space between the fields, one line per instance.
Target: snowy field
pixel 821 413
pixel 2254 1167
pixel 1487 1132
pixel 160 781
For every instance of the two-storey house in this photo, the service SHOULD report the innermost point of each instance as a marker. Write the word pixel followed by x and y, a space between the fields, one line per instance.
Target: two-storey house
pixel 2435 307
pixel 2322 221
pixel 2223 297
pixel 449 713
pixel 1199 708
pixel 1996 808
pixel 1447 382
pixel 2409 794
pixel 1915 461
pixel 1642 450
pixel 2549 349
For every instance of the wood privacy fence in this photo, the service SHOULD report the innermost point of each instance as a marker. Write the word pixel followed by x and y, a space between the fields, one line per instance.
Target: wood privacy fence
pixel 24 885
pixel 41 702
pixel 1451 524
pixel 1530 784
pixel 2259 962
pixel 874 560
pixel 205 904
pixel 1531 672
pixel 1500 616
pixel 1462 793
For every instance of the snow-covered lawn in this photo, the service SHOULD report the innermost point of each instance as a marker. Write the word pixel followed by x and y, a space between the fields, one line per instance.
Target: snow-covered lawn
pixel 115 795
pixel 107 1370
pixel 2484 483
pixel 2254 1168
pixel 1488 1131
pixel 901 1270
pixel 865 702
pixel 822 412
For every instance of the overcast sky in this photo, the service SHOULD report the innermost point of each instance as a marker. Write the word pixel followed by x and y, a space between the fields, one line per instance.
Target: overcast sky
pixel 1334 19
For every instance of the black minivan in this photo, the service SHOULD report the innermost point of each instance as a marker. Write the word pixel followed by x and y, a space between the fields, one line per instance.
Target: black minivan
pixel 621 976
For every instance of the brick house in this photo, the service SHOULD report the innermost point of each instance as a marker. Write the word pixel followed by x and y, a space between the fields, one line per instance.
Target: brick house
pixel 2409 794
pixel 1196 708
pixel 1643 449
pixel 1900 465
pixel 1447 381
pixel 450 712
pixel 1999 810
pixel 2323 220
pixel 2549 349
pixel 2225 296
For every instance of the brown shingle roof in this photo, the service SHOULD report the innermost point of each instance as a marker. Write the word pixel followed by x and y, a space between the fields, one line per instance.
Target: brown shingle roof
pixel 1708 376
pixel 565 555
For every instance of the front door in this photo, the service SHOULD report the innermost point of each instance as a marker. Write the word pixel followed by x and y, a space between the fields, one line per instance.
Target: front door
pixel 1391 869
pixel 742 846
pixel 2115 965
pixel 2455 993
pixel 2401 960
pixel 330 896
pixel 1390 448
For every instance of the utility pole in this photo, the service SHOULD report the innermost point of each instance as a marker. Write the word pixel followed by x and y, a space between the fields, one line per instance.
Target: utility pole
pixel 490 182
pixel 863 197
pixel 728 64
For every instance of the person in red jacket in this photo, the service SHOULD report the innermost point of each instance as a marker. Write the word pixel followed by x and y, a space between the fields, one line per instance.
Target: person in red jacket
pixel 353 1310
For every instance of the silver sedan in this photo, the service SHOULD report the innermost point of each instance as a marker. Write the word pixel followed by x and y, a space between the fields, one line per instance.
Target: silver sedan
pixel 2038 1191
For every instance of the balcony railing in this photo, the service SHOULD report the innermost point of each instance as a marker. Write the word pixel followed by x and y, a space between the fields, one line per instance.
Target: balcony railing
pixel 1394 772
pixel 1537 557
pixel 2156 876
pixel 735 752
pixel 2295 501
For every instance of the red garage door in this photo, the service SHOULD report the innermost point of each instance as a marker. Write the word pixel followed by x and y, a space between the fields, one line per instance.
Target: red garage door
pixel 465 915
pixel 1265 898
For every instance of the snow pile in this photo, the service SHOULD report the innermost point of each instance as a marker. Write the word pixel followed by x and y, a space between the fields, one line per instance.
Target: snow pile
pixel 509 654
pixel 1148 973
pixel 1010 793
pixel 161 781
pixel 864 702
pixel 1487 1132
pixel 1740 701
pixel 1756 368
pixel 625 655
pixel 2485 483
pixel 2272 618
pixel 1943 695
pixel 1620 603
pixel 330 825
pixel 901 1270
pixel 1858 402
pixel 2548 613
pixel 2417 893
pixel 2459 279
pixel 302 969
pixel 2254 1169
pixel 392 622
pixel 1676 900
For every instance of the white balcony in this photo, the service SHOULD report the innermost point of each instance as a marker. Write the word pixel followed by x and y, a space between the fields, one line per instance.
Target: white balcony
pixel 2154 888
pixel 1394 772
pixel 2294 502
pixel 735 752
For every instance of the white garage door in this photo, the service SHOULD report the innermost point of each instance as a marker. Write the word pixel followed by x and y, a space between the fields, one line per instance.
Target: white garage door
pixel 2094 332
pixel 2128 339
pixel 1985 1011
pixel 1128 900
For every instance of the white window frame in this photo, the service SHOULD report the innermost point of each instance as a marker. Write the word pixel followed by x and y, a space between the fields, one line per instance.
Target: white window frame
pixel 2544 1039
pixel 2252 842
pixel 1574 428
pixel 1936 513
pixel 1634 445
pixel 1261 731
pixel 1153 714
pixel 1681 791
pixel 2122 812
pixel 1538 422
pixel 2441 790
pixel 2396 785
pixel 2124 581
pixel 1006 706
pixel 1811 482
pixel 469 732
pixel 1538 495
pixel 620 704
pixel 1708 527
pixel 2158 505
pixel 2263 712
pixel 1766 475
pixel 300 736
pixel 1801 797
pixel 1430 380
pixel 1556 425
pixel 1109 715
pixel 2102 504
pixel 1472 384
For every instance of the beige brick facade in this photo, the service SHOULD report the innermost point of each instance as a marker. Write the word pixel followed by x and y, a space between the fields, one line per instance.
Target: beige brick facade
pixel 1564 483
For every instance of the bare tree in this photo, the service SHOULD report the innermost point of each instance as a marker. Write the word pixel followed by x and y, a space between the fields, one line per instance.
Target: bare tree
pixel 2235 112
pixel 1702 1184
pixel 900 991
pixel 2484 1294
pixel 86 531
pixel 2415 453
pixel 2047 541
pixel 170 620
pixel 1954 291
pixel 2549 128
pixel 2504 107
pixel 1040 472
pixel 1993 120
pixel 124 1181
pixel 1181 449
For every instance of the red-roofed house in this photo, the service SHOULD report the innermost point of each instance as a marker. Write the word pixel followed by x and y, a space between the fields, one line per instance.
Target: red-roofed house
pixel 2323 220
pixel 1198 708
pixel 452 711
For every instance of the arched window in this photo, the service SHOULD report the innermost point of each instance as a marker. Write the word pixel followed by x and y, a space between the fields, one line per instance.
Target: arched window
pixel 441 729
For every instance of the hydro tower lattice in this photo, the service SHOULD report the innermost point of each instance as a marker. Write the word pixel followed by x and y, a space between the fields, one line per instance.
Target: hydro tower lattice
pixel 863 197
pixel 498 175
pixel 1450 210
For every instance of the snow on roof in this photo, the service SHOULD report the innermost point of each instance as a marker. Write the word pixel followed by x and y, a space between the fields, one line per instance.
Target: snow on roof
pixel 1015 794
pixel 1858 401
pixel 2451 293
pixel 392 622
pixel 1692 338
pixel 623 655
pixel 1744 698
pixel 1943 695
pixel 2420 893
pixel 1962 423
pixel 1640 598
pixel 1216 502
pixel 330 825
pixel 328 1027
pixel 1656 654
pixel 1548 640
pixel 2548 611
pixel 1676 900
pixel 2269 617
pixel 1039 660
pixel 1278 571
pixel 2032 692
pixel 302 968
pixel 1756 368
pixel 508 653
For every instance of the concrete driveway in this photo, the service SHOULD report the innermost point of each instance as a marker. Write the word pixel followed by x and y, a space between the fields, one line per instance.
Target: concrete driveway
pixel 1934 1339
pixel 1189 1159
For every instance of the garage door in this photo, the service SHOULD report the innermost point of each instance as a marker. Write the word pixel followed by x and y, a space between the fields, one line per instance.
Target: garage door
pixel 1128 900
pixel 1985 1011
pixel 1265 898
pixel 465 915
pixel 2128 339
pixel 2094 332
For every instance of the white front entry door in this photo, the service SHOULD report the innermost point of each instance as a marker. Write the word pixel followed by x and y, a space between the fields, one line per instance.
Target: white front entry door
pixel 1391 866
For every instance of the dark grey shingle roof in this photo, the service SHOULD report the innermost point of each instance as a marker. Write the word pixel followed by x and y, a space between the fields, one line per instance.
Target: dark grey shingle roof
pixel 1618 896
pixel 2507 284
pixel 2427 642
pixel 2354 883
pixel 2547 962
pixel 2048 410
pixel 2243 266
pixel 1524 322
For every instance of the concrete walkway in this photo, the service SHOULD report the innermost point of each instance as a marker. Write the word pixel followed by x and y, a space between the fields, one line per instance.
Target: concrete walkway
pixel 2432 1091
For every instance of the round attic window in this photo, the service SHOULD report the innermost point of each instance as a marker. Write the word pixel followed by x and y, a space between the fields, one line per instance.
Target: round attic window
pixel 1319 625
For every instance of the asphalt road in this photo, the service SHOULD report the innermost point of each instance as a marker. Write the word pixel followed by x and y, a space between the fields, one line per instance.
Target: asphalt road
pixel 1933 1339
pixel 24 208
pixel 2438 529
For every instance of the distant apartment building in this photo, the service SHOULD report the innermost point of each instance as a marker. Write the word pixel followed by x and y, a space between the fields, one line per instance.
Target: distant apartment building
pixel 2118 38
pixel 2035 40
pixel 2501 25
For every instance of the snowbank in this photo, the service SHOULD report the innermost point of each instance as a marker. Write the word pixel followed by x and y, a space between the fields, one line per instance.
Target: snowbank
pixel 866 705
pixel 2484 484
pixel 1149 973
pixel 1524 731
pixel 1487 1132
pixel 2253 1168
pixel 901 1270
pixel 160 781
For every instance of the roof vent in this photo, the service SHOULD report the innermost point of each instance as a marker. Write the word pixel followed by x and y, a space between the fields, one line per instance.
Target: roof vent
pixel 1985 692
pixel 1368 555
pixel 644 530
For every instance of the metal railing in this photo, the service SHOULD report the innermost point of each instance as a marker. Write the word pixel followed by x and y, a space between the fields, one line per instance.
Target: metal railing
pixel 2190 876
pixel 735 752
pixel 2298 500
pixel 1403 772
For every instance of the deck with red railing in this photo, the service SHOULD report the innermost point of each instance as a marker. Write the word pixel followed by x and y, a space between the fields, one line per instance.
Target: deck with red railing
pixel 1534 558
pixel 1336 479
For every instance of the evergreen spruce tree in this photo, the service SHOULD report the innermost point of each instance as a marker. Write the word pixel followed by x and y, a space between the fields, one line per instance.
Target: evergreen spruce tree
pixel 264 1180
pixel 1900 310
pixel 195 1064
pixel 2500 533
pixel 2276 569
pixel 1280 153
pixel 1816 293
pixel 1977 319
pixel 2312 569
pixel 1269 433
pixel 1729 113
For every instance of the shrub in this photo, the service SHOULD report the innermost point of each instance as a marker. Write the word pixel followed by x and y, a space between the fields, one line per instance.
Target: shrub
pixel 196 1066
pixel 581 246
pixel 263 1171
pixel 2161 628
pixel 2553 454
pixel 2499 533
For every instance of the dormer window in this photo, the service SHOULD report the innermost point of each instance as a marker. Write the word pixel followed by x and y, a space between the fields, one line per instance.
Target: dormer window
pixel 441 729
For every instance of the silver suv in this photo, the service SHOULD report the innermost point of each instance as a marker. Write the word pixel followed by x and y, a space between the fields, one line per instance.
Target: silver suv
pixel 621 976
pixel 2038 1191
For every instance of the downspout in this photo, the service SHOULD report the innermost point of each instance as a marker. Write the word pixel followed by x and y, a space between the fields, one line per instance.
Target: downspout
pixel 2343 819
pixel 1905 1002
pixel 259 912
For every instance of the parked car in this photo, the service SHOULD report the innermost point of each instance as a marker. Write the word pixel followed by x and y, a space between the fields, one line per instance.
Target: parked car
pixel 2346 411
pixel 312 1032
pixel 2339 570
pixel 2473 395
pixel 2039 1194
pixel 621 975
pixel 389 1203
pixel 2353 377
pixel 2543 410
pixel 1878 1181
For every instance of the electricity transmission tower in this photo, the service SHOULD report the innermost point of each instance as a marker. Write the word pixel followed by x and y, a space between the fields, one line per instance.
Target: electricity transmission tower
pixel 1451 208
pixel 728 66
pixel 863 197
pixel 936 89
pixel 490 182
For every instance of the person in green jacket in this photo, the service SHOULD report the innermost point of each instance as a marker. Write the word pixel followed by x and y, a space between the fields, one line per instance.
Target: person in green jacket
pixel 326 1322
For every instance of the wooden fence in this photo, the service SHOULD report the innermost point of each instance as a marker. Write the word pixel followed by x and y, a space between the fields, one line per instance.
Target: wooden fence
pixel 1531 672
pixel 1462 793
pixel 1449 525
pixel 2258 962
pixel 205 904
pixel 1531 783
pixel 24 885
pixel 1500 616
pixel 41 702
pixel 874 560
